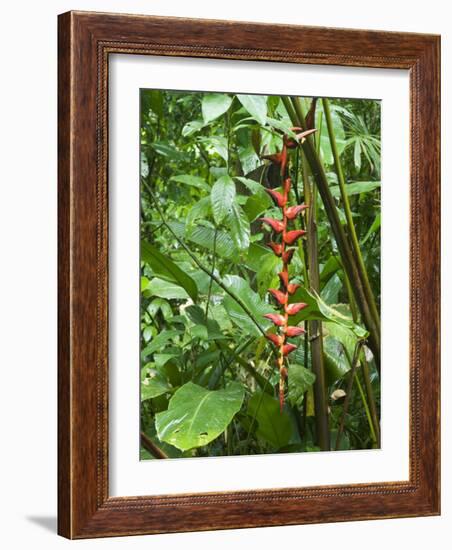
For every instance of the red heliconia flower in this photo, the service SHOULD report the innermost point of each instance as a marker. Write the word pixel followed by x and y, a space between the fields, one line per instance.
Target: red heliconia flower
pixel 275 338
pixel 289 142
pixel 291 236
pixel 276 319
pixel 288 348
pixel 279 199
pixel 287 185
pixel 287 255
pixel 293 211
pixel 293 309
pixel 276 225
pixel 292 288
pixel 278 295
pixel 277 248
pixel 291 332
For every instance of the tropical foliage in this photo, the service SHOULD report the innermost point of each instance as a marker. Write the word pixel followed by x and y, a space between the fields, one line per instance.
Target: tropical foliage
pixel 221 373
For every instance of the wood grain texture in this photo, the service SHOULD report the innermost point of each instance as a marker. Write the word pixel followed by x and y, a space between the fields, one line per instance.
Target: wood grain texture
pixel 85 42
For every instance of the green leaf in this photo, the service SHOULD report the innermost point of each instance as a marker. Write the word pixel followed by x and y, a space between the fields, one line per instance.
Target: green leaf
pixel 256 105
pixel 330 291
pixel 318 310
pixel 300 380
pixel 273 426
pixel 192 127
pixel 214 105
pixel 222 198
pixel 239 226
pixel 197 416
pixel 153 383
pixel 355 188
pixel 193 181
pixel 374 227
pixel 204 236
pixel 240 288
pixel 165 289
pixel 166 269
pixel 201 209
pixel 159 342
pixel 166 150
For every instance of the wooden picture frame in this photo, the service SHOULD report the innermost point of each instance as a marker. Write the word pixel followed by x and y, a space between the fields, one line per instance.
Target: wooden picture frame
pixel 86 40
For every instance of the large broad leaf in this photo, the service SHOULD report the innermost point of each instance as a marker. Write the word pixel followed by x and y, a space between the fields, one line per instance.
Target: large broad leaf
pixel 256 105
pixel 355 188
pixel 166 269
pixel 214 105
pixel 272 425
pixel 300 380
pixel 239 226
pixel 196 416
pixel 240 288
pixel 222 198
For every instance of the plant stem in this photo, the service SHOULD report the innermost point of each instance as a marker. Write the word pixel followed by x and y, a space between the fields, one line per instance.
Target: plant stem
pixel 150 446
pixel 315 327
pixel 371 398
pixel 355 362
pixel 295 112
pixel 348 215
pixel 373 435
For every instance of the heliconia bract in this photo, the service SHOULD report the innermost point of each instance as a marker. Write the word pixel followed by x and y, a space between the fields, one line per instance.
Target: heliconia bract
pixel 276 225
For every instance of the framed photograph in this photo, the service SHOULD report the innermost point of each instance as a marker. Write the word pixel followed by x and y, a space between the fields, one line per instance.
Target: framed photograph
pixel 248 275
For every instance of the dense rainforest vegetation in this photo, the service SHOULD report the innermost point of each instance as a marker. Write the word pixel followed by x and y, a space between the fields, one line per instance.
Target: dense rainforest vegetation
pixel 260 274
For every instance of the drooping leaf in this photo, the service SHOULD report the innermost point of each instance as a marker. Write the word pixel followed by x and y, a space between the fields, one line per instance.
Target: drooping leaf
pixel 204 236
pixel 214 105
pixel 192 127
pixel 256 105
pixel 166 150
pixel 166 269
pixel 197 416
pixel 272 425
pixel 222 198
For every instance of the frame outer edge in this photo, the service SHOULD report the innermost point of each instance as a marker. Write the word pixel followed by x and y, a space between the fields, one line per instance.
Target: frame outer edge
pixel 82 509
pixel 64 278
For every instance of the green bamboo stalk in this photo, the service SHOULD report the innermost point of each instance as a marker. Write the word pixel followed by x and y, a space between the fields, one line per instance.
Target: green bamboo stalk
pixel 315 327
pixel 296 114
pixel 348 215
pixel 371 398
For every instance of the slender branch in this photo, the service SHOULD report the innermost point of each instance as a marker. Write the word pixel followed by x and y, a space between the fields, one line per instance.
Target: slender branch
pixel 214 253
pixel 150 446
